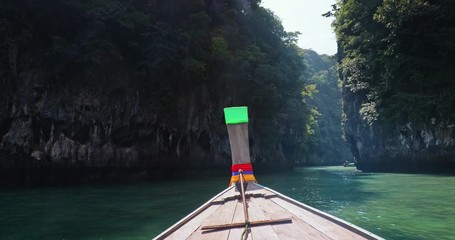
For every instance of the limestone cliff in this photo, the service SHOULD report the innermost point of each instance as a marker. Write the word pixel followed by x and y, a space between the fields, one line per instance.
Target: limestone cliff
pixel 84 131
pixel 396 63
pixel 409 147
pixel 137 88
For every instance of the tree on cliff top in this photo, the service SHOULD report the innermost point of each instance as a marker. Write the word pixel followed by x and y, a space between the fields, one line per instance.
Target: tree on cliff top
pixel 326 146
pixel 398 55
pixel 153 55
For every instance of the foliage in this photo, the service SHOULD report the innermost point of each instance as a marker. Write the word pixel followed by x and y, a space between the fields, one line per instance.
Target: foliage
pixel 397 57
pixel 325 146
pixel 158 51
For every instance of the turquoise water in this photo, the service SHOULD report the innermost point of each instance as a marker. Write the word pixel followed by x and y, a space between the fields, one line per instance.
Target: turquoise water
pixel 394 206
pixel 136 211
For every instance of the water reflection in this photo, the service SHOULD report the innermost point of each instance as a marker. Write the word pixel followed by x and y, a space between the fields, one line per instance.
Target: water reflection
pixel 394 206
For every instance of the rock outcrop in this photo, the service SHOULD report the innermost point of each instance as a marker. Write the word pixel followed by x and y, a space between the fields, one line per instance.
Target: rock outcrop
pixel 392 147
pixel 84 134
pixel 86 130
pixel 138 88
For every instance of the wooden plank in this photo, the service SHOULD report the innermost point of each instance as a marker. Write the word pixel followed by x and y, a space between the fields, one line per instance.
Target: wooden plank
pixel 241 224
pixel 228 195
pixel 223 215
pixel 332 230
pixel 190 216
pixel 253 186
pixel 349 226
pixel 235 234
pixel 261 232
pixel 252 190
pixel 260 193
pixel 297 230
pixel 188 228
pixel 256 190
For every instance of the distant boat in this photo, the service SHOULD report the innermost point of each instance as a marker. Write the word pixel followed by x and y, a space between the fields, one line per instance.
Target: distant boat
pixel 348 164
pixel 247 210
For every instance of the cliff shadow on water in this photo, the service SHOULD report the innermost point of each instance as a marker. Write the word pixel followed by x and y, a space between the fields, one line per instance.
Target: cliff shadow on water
pixel 434 165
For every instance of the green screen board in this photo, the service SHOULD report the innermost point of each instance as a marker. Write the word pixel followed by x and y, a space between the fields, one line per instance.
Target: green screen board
pixel 235 115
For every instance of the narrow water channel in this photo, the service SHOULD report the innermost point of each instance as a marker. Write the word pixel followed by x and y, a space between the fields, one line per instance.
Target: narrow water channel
pixel 394 206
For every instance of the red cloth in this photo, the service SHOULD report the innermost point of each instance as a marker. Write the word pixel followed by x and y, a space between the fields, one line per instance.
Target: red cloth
pixel 244 167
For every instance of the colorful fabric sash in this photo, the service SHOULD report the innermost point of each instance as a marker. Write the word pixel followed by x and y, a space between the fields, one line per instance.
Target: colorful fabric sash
pixel 248 175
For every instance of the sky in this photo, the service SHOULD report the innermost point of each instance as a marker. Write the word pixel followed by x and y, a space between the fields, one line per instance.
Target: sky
pixel 305 16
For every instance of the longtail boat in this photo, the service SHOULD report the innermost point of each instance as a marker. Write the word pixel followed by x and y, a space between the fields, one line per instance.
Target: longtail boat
pixel 248 210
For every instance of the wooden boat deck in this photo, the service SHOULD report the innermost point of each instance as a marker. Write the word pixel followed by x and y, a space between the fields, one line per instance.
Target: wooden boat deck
pixel 262 204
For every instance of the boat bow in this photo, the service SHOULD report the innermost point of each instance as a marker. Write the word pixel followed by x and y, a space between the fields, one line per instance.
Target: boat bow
pixel 247 210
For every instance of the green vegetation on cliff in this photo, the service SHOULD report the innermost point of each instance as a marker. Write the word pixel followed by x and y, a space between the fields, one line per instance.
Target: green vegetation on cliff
pixel 398 54
pixel 396 63
pixel 142 83
pixel 326 146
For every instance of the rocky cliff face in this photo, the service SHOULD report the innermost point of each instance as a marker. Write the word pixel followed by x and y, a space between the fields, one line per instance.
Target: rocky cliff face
pixel 83 133
pixel 115 87
pixel 80 130
pixel 409 147
pixel 398 86
pixel 86 130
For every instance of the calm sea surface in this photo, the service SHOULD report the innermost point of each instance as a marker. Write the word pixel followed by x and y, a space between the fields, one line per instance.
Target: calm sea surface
pixel 394 206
